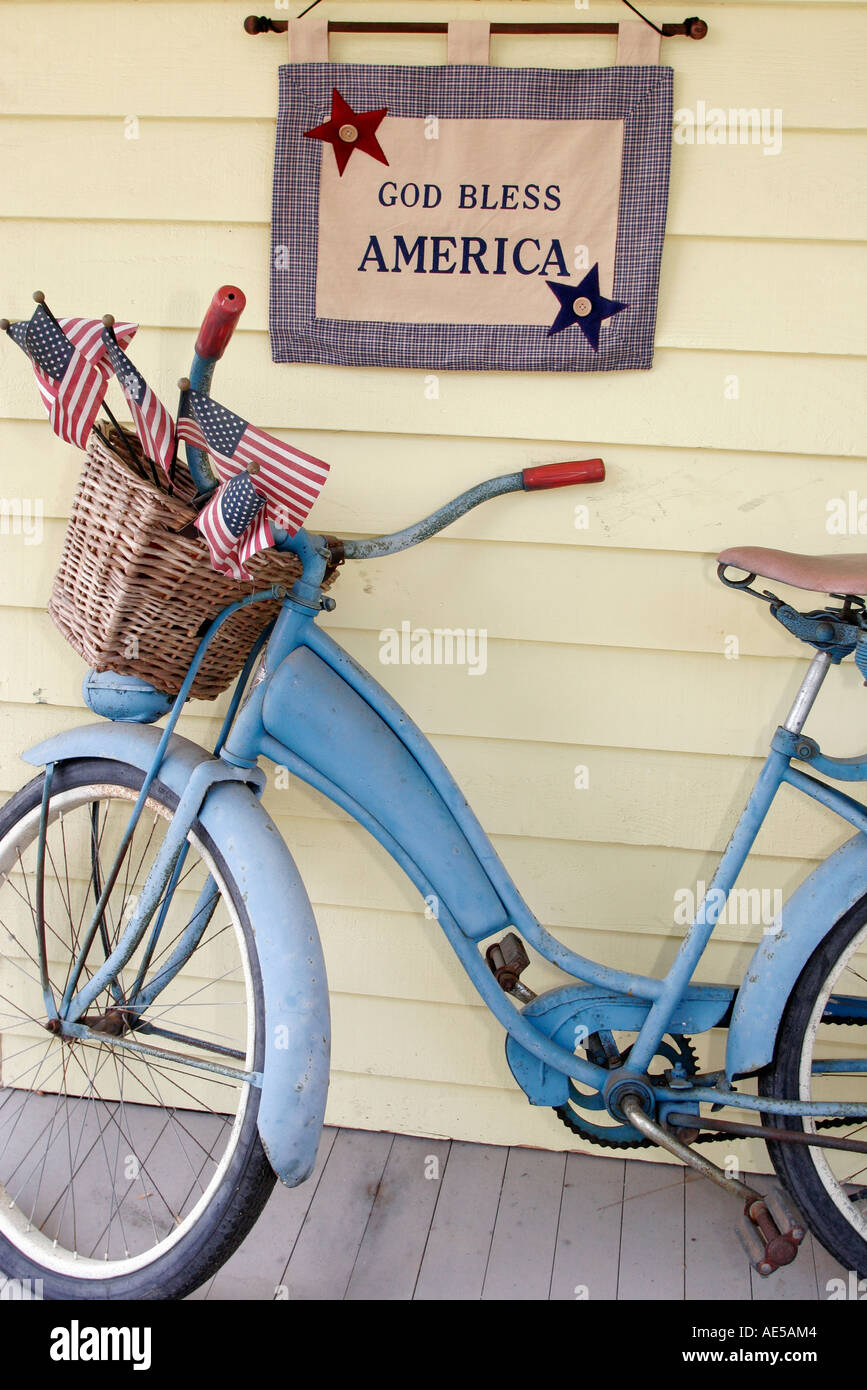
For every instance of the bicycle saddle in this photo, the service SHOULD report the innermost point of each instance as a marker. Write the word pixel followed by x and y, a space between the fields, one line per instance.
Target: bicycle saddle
pixel 825 574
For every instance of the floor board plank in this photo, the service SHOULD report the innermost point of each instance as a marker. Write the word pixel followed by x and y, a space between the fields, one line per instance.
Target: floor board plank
pixel 456 1256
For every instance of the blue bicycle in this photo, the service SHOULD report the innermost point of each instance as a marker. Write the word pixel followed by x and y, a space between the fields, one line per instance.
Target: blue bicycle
pixel 164 1013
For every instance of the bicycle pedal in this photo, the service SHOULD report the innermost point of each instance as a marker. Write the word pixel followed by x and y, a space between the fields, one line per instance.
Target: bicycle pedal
pixel 507 960
pixel 770 1230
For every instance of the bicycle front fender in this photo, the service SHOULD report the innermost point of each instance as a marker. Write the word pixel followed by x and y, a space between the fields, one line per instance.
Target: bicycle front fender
pixel 297 1027
pixel 807 917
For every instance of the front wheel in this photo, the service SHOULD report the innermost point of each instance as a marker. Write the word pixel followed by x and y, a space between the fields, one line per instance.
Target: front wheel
pixel 130 1161
pixel 826 1020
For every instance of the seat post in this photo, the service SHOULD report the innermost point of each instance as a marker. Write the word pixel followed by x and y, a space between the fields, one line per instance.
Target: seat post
pixel 806 696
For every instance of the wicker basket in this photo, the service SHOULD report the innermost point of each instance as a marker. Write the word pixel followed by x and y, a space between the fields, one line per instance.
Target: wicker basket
pixel 132 596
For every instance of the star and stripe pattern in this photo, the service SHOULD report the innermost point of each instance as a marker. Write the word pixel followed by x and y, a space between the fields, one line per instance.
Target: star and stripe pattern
pixel 235 526
pixel 154 425
pixel 71 385
pixel 73 361
pixel 86 335
pixel 289 479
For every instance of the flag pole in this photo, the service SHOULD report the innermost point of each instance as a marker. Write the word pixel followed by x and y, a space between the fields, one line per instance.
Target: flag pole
pixel 108 324
pixel 190 531
pixel 183 387
pixel 39 297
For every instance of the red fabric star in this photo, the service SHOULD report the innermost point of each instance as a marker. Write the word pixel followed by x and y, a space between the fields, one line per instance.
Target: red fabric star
pixel 350 130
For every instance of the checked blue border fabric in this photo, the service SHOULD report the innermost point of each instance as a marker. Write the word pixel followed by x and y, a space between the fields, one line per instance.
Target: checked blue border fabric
pixel 639 95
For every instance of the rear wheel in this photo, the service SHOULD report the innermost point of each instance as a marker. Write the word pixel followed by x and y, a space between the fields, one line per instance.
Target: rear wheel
pixel 130 1161
pixel 826 1019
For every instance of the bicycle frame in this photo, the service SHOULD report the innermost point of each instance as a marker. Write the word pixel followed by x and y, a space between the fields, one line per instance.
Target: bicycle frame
pixel 312 709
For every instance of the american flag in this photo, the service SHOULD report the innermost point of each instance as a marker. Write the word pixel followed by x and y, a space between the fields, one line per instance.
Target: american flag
pixel 290 479
pixel 235 526
pixel 86 335
pixel 152 421
pixel 72 386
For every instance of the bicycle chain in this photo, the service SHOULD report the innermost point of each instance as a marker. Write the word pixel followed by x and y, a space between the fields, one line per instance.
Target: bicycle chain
pixel 567 1116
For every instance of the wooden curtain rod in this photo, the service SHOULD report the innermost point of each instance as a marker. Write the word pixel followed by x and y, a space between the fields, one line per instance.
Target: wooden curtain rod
pixel 691 28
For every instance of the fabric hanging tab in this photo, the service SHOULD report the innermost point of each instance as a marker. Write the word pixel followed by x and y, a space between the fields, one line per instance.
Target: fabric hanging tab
pixel 637 43
pixel 469 41
pixel 308 40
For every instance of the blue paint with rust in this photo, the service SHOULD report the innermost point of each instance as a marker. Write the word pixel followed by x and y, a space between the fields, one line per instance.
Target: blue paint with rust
pixel 295 1086
pixel 316 711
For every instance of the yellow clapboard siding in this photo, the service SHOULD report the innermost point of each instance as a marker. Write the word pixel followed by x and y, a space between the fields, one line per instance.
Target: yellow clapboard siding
pixel 516 593
pixel 808 65
pixel 800 404
pixel 442 1107
pixel 507 593
pixel 715 293
pixel 605 645
pixel 681 800
pixel 604 696
pixel 400 955
pixel 567 884
pixel 686 500
pixel 439 1042
pixel 721 190
pixel 651 699
pixel 435 1110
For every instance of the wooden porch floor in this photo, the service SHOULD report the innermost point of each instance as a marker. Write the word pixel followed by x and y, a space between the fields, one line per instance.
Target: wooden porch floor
pixel 388 1216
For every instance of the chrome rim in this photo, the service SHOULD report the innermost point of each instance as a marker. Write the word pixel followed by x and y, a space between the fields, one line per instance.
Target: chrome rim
pixel 843 1175
pixel 109 1156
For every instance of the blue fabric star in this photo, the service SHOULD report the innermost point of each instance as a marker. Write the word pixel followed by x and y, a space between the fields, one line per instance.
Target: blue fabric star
pixel 583 305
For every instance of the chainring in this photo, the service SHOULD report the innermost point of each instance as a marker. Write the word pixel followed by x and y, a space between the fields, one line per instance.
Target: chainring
pixel 675 1048
pixel 679 1048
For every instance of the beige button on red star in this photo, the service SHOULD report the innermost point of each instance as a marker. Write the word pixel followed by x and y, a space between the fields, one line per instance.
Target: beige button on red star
pixel 349 130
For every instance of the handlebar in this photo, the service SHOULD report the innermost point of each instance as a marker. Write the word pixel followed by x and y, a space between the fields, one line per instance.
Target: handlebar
pixel 563 474
pixel 219 323
pixel 546 475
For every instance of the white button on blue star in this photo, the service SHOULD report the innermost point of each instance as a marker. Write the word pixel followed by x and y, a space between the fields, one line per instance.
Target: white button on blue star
pixel 583 305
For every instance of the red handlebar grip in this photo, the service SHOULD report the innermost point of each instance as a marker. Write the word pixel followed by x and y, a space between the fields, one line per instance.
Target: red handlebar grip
pixel 218 325
pixel 563 474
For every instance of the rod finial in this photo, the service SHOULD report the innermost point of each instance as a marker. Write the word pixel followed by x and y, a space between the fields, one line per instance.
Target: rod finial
pixel 4 325
pixel 184 383
pixel 39 296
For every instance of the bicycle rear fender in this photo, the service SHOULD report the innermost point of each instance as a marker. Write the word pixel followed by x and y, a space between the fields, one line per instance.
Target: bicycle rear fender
pixel 807 917
pixel 297 1029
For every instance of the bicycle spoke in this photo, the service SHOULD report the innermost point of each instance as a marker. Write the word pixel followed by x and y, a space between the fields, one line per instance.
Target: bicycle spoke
pixel 107 1150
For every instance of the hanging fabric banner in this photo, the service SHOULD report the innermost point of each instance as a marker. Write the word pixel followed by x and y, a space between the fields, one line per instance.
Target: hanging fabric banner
pixel 468 217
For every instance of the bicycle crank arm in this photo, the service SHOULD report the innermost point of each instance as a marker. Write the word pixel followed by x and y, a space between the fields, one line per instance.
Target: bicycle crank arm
pixel 785 1136
pixel 769 1230
pixel 634 1113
